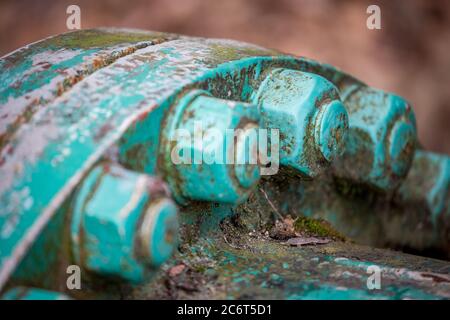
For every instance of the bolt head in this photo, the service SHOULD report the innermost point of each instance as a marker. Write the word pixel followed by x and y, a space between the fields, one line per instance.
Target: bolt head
pixel 427 185
pixel 158 231
pixel 401 142
pixel 306 110
pixel 381 140
pixel 118 212
pixel 331 129
pixel 203 129
pixel 246 162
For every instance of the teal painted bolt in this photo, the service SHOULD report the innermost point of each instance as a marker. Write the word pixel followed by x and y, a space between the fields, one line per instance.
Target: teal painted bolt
pixel 158 230
pixel 381 140
pixel 309 115
pixel 416 219
pixel 401 139
pixel 246 151
pixel 123 223
pixel 428 185
pixel 210 152
pixel 425 195
pixel 329 129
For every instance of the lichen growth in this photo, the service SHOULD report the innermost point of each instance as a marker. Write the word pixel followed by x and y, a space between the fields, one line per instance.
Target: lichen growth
pixel 88 39
pixel 222 53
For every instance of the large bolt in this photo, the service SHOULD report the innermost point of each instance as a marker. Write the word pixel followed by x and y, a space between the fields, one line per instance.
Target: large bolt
pixel 311 119
pixel 425 197
pixel 428 185
pixel 210 149
pixel 246 150
pixel 381 140
pixel 124 225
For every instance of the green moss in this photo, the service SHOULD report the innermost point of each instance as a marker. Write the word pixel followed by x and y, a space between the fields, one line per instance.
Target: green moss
pixel 200 268
pixel 316 227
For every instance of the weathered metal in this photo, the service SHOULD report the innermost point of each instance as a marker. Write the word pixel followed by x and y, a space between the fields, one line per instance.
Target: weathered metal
pixel 73 165
pixel 21 293
pixel 205 164
pixel 240 264
pixel 381 140
pixel 307 110
pixel 414 217
pixel 123 223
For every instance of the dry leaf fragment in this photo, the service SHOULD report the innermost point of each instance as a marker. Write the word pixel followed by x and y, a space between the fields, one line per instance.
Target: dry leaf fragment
pixel 176 270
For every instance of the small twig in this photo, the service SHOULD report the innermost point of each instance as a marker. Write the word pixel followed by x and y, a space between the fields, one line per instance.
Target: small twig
pixel 229 243
pixel 271 204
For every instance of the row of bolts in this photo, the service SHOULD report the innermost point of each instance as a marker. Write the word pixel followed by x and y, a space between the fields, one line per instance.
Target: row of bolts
pixel 125 223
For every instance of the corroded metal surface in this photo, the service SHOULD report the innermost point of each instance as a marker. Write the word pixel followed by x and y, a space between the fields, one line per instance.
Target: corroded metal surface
pixel 415 217
pixel 312 120
pixel 73 101
pixel 35 75
pixel 381 140
pixel 257 267
pixel 111 204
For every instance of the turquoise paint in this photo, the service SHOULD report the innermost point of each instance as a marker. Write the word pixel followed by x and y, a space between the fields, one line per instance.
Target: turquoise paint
pixel 139 146
pixel 381 140
pixel 38 79
pixel 363 215
pixel 407 293
pixel 43 270
pixel 246 272
pixel 107 244
pixel 355 264
pixel 33 294
pixel 428 183
pixel 120 101
pixel 161 247
pixel 246 150
pixel 401 135
pixel 328 292
pixel 332 121
pixel 119 227
pixel 199 162
pixel 312 121
pixel 16 80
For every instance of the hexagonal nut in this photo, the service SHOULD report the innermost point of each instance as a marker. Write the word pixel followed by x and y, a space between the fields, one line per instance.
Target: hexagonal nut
pixel 124 224
pixel 381 141
pixel 311 119
pixel 202 147
pixel 427 186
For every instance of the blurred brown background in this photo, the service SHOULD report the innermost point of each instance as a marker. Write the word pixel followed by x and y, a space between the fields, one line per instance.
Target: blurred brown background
pixel 410 55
